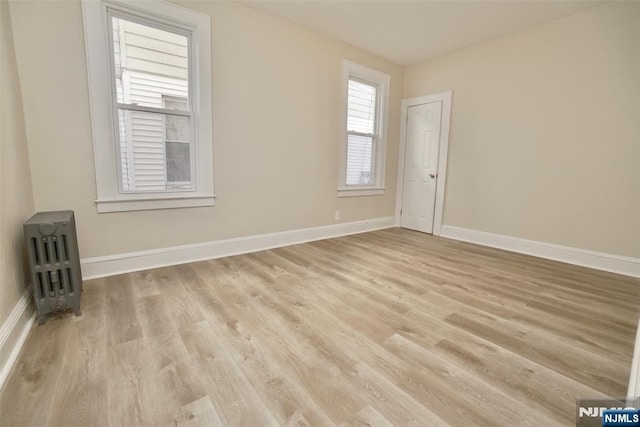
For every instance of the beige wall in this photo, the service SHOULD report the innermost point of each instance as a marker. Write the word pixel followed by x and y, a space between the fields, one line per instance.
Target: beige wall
pixel 544 139
pixel 545 131
pixel 16 197
pixel 276 101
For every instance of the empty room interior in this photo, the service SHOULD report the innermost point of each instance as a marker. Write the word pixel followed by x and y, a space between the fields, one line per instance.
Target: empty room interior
pixel 259 213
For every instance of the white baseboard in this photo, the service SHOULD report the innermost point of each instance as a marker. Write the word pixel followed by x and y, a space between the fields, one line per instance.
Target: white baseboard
pixel 598 260
pixel 13 334
pixel 143 260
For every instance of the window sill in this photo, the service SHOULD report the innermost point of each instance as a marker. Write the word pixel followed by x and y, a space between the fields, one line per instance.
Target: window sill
pixel 143 204
pixel 357 192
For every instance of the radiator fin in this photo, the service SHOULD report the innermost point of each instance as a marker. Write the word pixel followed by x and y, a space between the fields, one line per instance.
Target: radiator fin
pixel 47 255
pixel 65 247
pixel 70 280
pixel 40 288
pixel 35 251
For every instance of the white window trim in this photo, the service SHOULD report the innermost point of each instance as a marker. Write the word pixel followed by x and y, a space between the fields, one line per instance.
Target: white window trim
pixel 382 80
pixel 109 198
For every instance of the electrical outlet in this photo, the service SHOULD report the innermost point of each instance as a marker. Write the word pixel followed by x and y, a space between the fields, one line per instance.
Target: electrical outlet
pixel 337 216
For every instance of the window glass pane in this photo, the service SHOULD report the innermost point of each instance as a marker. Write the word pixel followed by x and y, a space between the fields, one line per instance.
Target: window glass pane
pixel 148 162
pixel 361 110
pixel 149 63
pixel 178 163
pixel 178 151
pixel 174 103
pixel 177 128
pixel 359 160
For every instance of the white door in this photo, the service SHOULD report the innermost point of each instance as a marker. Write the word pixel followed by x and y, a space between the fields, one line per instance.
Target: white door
pixel 421 166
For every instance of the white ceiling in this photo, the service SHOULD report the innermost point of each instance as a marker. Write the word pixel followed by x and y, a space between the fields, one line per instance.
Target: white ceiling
pixel 407 32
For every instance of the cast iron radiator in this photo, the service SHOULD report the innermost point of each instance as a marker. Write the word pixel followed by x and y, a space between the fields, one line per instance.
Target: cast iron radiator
pixel 54 262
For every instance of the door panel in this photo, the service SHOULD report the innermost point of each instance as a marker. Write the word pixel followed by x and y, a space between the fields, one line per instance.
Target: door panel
pixel 421 166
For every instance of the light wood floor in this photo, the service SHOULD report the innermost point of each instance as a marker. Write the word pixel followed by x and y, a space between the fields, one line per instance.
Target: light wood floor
pixel 386 328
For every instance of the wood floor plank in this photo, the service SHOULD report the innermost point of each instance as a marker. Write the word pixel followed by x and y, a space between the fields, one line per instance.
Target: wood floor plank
pixel 286 400
pixel 516 375
pixel 27 397
pixel 145 284
pixel 368 417
pixel 153 316
pixel 199 413
pixel 317 369
pixel 234 399
pixel 391 327
pixel 604 375
pixel 482 396
pixel 122 319
pixel 395 405
pixel 406 375
pixel 125 387
pixel 584 335
pixel 82 385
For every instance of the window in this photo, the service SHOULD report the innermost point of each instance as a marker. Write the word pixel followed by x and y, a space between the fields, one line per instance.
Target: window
pixel 150 96
pixel 364 148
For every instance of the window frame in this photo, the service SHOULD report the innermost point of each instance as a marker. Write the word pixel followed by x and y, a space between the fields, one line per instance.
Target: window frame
pixel 102 93
pixel 381 81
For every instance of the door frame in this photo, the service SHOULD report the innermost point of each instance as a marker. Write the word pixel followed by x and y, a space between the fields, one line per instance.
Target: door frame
pixel 443 151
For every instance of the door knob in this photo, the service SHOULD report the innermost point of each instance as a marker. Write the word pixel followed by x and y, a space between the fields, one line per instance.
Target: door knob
pixel 433 175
